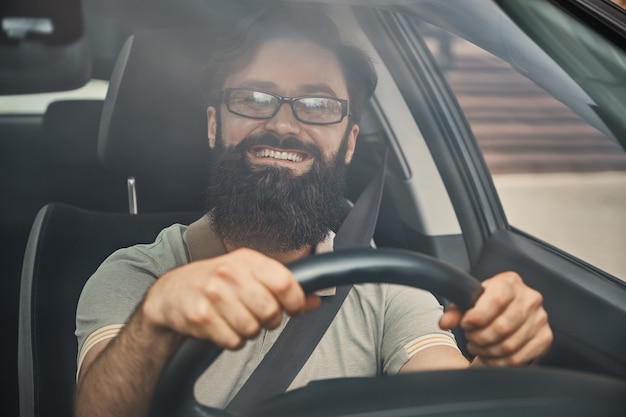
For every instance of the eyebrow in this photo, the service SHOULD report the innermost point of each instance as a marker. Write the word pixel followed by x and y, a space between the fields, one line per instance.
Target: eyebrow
pixel 318 88
pixel 322 88
pixel 258 84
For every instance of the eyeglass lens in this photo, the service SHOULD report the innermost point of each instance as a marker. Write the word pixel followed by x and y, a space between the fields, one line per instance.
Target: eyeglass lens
pixel 258 104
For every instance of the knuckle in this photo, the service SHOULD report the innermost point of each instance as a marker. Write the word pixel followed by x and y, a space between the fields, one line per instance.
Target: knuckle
pixel 509 347
pixel 513 277
pixel 213 290
pixel 250 328
pixel 199 315
pixel 536 298
pixel 223 271
pixel 268 312
pixel 500 300
pixel 502 326
pixel 542 319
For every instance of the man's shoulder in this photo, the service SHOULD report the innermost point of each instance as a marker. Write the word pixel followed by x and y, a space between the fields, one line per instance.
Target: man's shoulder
pixel 167 251
pixel 169 240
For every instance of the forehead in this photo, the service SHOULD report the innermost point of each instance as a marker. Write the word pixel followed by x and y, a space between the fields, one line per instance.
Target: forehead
pixel 290 68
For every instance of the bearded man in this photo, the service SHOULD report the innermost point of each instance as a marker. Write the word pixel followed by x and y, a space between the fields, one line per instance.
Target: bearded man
pixel 283 124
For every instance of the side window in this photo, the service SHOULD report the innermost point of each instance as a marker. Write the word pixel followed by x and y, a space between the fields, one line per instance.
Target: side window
pixel 559 179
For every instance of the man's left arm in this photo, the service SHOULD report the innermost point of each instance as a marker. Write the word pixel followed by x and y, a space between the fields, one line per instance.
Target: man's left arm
pixel 508 326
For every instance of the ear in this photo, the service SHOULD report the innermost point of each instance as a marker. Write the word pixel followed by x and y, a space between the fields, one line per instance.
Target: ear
pixel 211 115
pixel 354 131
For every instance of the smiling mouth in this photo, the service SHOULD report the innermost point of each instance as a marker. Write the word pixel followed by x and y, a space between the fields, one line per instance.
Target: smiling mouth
pixel 280 155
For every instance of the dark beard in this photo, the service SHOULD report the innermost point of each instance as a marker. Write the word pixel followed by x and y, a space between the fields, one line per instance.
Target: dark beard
pixel 269 208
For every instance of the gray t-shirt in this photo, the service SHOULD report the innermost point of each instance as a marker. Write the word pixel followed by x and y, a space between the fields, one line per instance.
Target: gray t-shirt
pixel 378 328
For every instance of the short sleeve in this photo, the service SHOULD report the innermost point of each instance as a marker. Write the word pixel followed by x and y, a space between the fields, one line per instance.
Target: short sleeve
pixel 113 292
pixel 411 323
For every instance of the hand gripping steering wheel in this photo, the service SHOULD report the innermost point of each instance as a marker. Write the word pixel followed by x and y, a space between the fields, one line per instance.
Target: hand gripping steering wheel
pixel 478 392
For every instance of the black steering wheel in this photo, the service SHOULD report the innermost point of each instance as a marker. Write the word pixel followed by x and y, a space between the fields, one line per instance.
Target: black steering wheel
pixel 476 392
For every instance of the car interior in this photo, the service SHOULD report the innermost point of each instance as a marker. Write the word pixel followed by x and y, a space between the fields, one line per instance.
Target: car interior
pixel 90 176
pixel 162 147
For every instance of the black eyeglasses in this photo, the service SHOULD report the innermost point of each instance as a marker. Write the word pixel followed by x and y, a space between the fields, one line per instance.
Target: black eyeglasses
pixel 256 104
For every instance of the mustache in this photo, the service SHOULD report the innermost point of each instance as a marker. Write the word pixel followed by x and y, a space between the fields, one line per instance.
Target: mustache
pixel 273 141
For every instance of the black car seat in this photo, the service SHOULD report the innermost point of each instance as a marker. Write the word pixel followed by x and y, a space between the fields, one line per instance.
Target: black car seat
pixel 158 106
pixel 59 162
pixel 153 128
pixel 69 150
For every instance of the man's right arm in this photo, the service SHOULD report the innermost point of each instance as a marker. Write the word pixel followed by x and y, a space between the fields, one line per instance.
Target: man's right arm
pixel 227 300
pixel 118 375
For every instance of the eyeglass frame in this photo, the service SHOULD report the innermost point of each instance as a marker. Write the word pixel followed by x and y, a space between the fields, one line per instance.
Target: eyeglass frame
pixel 345 105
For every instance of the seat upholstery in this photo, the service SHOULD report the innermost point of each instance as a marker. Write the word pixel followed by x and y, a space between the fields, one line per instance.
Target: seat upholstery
pixel 154 125
pixel 65 247
pixel 70 130
pixel 69 158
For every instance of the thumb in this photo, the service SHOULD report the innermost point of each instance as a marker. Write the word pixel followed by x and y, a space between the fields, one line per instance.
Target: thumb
pixel 451 318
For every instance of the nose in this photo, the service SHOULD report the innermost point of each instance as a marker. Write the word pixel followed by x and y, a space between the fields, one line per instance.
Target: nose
pixel 284 122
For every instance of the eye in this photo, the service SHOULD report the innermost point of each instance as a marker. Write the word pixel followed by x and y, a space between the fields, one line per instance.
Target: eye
pixel 319 108
pixel 252 103
pixel 260 98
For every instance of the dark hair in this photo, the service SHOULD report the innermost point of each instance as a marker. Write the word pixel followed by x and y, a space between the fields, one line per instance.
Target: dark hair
pixel 299 22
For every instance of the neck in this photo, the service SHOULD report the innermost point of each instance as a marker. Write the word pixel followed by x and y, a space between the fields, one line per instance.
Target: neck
pixel 282 257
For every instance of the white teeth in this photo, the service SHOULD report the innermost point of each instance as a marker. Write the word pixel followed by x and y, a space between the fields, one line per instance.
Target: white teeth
pixel 288 156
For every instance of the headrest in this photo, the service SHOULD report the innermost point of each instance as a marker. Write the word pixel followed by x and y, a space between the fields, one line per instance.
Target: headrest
pixel 70 129
pixel 154 116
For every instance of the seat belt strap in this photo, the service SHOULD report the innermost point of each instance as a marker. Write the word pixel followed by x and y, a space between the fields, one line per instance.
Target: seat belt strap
pixel 301 335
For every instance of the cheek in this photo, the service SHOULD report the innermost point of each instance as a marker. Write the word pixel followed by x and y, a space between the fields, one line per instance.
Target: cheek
pixel 235 129
pixel 329 139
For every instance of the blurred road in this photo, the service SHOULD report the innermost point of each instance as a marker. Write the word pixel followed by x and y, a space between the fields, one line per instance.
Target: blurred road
pixel 583 214
pixel 558 178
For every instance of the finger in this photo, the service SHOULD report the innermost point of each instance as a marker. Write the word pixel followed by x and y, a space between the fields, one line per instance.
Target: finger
pixel 535 348
pixel 504 347
pixel 279 280
pixel 498 294
pixel 451 318
pixel 532 328
pixel 202 321
pixel 246 268
pixel 503 327
pixel 228 301
pixel 525 312
pixel 260 302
